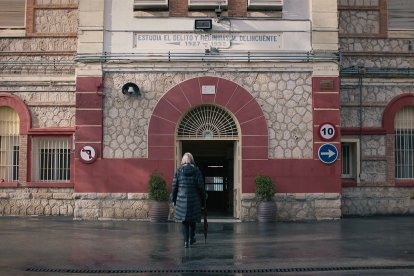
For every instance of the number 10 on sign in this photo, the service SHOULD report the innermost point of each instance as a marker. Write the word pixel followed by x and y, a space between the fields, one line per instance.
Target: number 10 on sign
pixel 327 131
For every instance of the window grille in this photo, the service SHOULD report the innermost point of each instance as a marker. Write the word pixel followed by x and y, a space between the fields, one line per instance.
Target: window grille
pixel 214 183
pixel 12 13
pixel 51 159
pixel 207 122
pixel 9 144
pixel 404 143
pixel 347 161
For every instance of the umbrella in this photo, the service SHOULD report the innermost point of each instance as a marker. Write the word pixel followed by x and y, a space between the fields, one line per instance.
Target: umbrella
pixel 205 221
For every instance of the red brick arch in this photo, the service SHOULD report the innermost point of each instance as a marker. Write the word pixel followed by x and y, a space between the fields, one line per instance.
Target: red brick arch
pixel 392 108
pixel 20 107
pixel 186 95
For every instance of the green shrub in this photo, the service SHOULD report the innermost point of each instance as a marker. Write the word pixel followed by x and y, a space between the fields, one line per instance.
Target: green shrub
pixel 264 188
pixel 157 188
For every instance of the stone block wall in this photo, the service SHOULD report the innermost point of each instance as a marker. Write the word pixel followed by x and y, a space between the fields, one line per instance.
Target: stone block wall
pixel 124 206
pixel 290 207
pixel 297 207
pixel 36 202
pixel 285 98
pixel 49 42
pixel 367 201
pixel 374 98
pixel 366 42
pixel 49 106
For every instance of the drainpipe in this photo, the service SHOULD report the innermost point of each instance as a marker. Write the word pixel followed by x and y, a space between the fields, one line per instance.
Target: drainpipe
pixel 361 73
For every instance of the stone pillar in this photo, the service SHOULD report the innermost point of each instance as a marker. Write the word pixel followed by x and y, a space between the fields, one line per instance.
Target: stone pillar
pixel 89 87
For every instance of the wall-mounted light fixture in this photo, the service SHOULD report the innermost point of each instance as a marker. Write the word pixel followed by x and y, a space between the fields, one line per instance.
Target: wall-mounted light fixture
pixel 212 51
pixel 130 88
pixel 203 24
pixel 218 12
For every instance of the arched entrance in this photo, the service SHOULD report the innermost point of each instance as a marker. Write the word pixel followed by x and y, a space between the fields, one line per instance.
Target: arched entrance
pixel 211 134
pixel 252 141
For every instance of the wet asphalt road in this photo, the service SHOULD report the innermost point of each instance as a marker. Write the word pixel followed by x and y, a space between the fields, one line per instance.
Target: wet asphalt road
pixel 351 246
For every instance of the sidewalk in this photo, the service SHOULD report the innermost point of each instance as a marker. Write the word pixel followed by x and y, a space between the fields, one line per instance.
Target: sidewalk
pixel 351 246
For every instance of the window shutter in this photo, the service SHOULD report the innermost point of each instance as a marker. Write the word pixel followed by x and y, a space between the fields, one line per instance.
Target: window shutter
pixel 150 4
pixel 12 13
pixel 206 4
pixel 264 4
pixel 401 15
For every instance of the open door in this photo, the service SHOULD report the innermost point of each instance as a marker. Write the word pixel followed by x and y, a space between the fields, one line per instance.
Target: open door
pixel 216 162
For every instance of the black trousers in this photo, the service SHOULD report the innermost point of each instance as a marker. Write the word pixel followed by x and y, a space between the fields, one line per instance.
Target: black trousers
pixel 189 230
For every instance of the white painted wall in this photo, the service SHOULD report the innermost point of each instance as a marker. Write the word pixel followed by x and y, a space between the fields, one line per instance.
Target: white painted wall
pixel 120 24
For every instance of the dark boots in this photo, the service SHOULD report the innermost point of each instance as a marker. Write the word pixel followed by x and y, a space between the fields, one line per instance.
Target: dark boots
pixel 189 233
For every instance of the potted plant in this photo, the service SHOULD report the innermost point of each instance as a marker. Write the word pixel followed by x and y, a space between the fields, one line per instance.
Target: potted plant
pixel 158 196
pixel 265 191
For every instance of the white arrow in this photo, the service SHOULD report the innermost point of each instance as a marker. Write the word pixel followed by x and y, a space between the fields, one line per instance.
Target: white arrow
pixel 329 153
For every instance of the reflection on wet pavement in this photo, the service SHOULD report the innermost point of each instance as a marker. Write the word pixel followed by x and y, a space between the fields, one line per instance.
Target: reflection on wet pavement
pixel 379 244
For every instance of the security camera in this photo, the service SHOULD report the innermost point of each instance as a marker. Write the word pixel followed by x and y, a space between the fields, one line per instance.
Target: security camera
pixel 218 12
pixel 130 89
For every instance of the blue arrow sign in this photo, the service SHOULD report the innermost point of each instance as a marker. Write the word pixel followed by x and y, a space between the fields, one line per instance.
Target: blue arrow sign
pixel 328 153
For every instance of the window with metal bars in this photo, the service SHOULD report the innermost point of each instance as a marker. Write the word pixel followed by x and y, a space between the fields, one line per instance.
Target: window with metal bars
pixel 214 183
pixel 51 159
pixel 404 143
pixel 9 144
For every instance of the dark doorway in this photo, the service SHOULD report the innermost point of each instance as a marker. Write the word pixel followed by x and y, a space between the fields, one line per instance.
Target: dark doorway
pixel 215 160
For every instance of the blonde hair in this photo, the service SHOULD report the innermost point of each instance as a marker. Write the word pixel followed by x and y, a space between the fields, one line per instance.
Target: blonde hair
pixel 187 159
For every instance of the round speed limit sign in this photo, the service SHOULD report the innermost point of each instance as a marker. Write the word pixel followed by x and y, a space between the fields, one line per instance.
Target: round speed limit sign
pixel 327 131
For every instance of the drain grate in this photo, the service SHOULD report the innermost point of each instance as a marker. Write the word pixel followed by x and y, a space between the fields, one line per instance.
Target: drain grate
pixel 221 271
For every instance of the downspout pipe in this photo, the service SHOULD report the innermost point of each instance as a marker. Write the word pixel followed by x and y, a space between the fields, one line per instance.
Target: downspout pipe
pixel 361 73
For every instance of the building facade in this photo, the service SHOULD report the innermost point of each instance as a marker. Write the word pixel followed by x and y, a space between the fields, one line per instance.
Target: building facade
pixel 38 41
pixel 97 95
pixel 377 106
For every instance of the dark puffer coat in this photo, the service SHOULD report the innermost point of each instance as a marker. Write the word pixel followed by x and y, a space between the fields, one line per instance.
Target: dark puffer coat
pixel 188 193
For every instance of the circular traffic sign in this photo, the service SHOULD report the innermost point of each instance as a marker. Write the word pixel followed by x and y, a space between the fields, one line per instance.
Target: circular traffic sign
pixel 88 154
pixel 328 153
pixel 327 131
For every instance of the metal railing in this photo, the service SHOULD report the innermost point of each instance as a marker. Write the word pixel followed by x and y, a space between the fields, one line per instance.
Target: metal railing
pixel 209 55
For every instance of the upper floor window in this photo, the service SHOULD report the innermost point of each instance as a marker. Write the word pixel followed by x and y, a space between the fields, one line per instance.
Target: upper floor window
pixel 9 144
pixel 404 143
pixel 265 5
pixel 206 4
pixel 401 15
pixel 150 4
pixel 12 14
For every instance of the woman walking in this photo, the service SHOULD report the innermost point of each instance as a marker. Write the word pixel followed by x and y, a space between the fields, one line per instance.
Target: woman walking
pixel 188 196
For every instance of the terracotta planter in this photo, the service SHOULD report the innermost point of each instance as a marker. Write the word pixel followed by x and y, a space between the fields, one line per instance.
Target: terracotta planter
pixel 266 211
pixel 159 211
